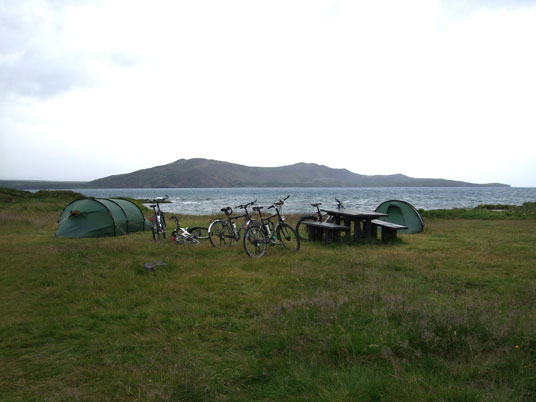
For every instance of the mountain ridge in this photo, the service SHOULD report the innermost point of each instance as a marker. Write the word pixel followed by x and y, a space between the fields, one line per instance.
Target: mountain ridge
pixel 200 172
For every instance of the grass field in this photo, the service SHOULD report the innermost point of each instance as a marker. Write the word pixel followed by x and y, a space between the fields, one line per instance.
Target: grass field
pixel 444 315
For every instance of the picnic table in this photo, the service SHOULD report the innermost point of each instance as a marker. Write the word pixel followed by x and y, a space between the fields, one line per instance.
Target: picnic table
pixel 360 219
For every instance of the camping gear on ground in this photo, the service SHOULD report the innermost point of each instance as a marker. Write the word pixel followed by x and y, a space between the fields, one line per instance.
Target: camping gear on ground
pixel 97 217
pixel 402 213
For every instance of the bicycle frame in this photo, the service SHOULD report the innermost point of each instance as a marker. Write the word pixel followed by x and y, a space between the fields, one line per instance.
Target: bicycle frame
pixel 260 234
pixel 317 206
pixel 231 221
pixel 237 231
pixel 319 213
pixel 266 222
pixel 184 236
pixel 158 220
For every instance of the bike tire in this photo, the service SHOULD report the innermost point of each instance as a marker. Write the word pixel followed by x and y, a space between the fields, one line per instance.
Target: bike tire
pixel 220 234
pixel 187 241
pixel 301 229
pixel 199 232
pixel 180 240
pixel 254 241
pixel 288 237
pixel 242 229
pixel 156 233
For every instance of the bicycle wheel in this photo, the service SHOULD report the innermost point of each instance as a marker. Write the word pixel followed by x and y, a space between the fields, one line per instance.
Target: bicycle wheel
pixel 301 229
pixel 199 232
pixel 244 225
pixel 254 241
pixel 288 237
pixel 155 232
pixel 189 241
pixel 180 240
pixel 220 234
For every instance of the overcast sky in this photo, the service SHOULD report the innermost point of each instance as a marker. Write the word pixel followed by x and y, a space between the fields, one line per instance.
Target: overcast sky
pixel 442 89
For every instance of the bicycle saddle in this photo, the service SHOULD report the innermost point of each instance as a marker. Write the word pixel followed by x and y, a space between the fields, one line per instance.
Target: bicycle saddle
pixel 316 205
pixel 257 208
pixel 227 211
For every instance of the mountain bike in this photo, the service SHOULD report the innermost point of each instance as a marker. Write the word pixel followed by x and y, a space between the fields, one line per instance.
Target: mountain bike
pixel 188 235
pixel 158 221
pixel 224 232
pixel 301 229
pixel 259 235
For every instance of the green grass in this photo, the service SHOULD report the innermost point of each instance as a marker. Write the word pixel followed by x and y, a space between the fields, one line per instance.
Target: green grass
pixel 486 211
pixel 444 315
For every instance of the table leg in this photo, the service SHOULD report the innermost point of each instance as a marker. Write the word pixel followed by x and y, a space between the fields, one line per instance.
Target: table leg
pixel 357 230
pixel 312 233
pixel 374 231
pixel 328 236
pixel 367 228
pixel 347 233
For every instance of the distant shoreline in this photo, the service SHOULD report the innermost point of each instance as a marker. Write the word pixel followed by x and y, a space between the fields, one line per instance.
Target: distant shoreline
pixel 203 201
pixel 79 185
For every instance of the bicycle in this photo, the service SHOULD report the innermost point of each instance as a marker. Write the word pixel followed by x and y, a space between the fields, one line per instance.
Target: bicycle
pixel 158 221
pixel 185 236
pixel 224 232
pixel 258 235
pixel 301 229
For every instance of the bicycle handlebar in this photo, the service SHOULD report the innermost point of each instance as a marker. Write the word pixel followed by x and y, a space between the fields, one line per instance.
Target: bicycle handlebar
pixel 281 202
pixel 244 206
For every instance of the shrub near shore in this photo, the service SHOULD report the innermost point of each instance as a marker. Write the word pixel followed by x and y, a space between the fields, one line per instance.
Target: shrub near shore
pixel 498 211
pixel 448 314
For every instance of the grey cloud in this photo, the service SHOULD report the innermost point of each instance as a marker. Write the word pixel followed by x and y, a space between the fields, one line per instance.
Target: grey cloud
pixel 14 29
pixel 29 66
pixel 122 59
pixel 35 73
pixel 33 62
pixel 463 7
pixel 453 10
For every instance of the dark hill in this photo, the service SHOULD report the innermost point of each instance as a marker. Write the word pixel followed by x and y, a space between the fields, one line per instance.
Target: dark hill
pixel 197 173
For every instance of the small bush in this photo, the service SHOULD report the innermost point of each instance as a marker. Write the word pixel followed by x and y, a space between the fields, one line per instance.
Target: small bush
pixel 485 211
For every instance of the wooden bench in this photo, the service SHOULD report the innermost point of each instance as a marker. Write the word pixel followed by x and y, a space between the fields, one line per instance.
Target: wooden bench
pixel 389 230
pixel 324 231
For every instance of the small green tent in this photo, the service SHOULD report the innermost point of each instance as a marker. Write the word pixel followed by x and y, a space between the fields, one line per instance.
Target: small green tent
pixel 402 213
pixel 97 217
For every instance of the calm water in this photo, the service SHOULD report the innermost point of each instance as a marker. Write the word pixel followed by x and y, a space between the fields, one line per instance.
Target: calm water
pixel 209 201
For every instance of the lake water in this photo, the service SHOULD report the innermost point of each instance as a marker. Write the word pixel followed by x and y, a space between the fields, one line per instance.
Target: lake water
pixel 209 201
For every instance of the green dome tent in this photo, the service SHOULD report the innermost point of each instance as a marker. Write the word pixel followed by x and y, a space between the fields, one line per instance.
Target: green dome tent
pixel 97 217
pixel 402 213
